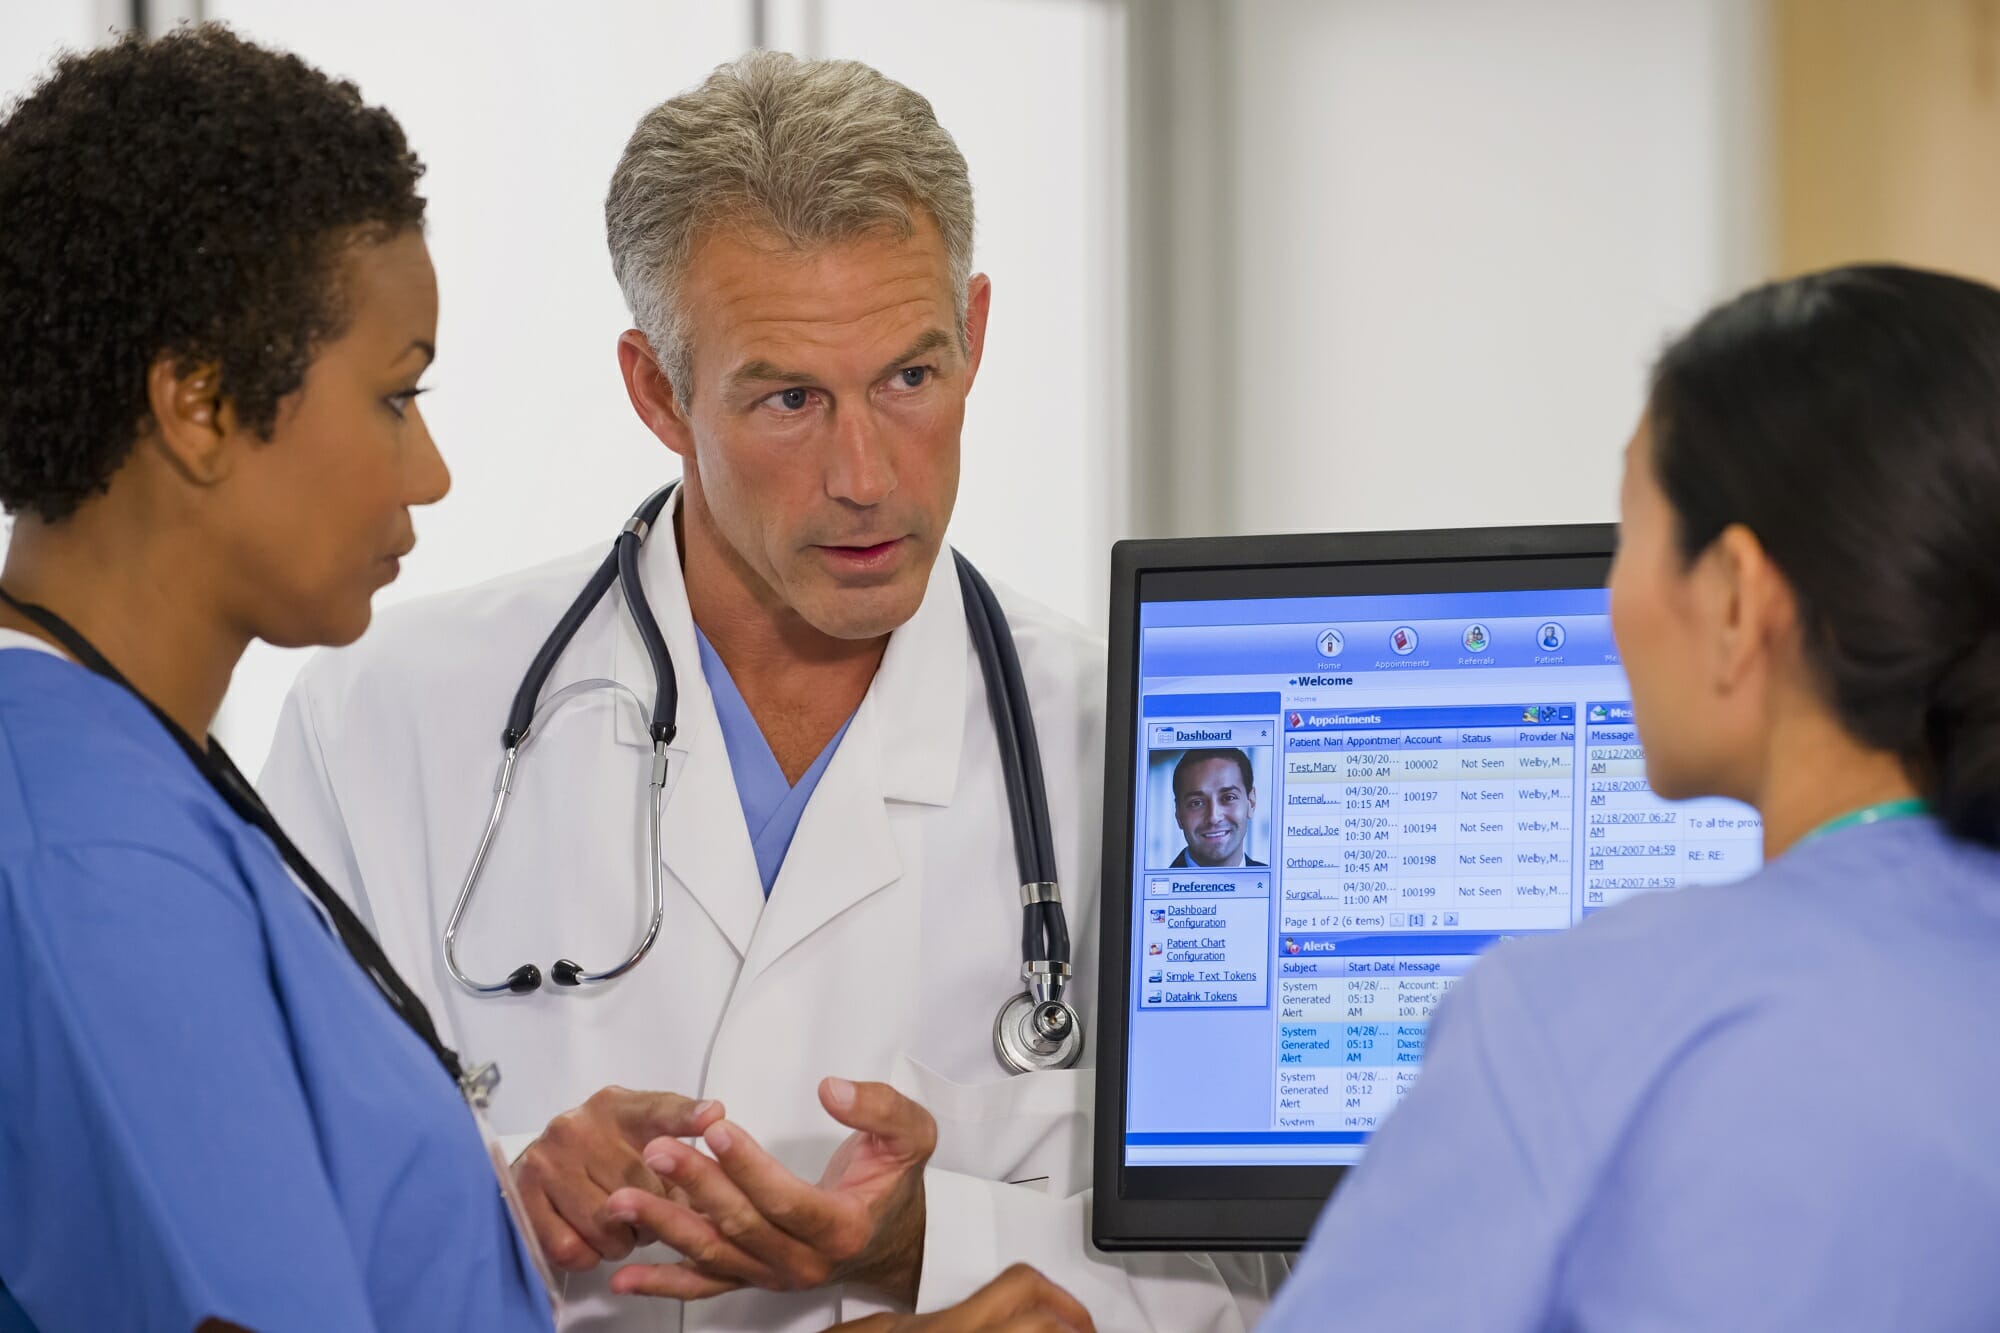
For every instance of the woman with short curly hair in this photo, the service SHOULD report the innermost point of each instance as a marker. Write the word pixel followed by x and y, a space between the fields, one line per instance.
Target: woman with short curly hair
pixel 215 306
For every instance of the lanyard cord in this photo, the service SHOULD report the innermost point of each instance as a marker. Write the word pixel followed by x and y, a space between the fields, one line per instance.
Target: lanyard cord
pixel 215 765
pixel 1880 813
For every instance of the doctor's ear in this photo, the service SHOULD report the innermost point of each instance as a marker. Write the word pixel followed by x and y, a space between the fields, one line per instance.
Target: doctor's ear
pixel 193 424
pixel 978 306
pixel 652 394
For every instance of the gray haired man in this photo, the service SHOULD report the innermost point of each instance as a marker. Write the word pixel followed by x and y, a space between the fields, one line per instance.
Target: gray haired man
pixel 825 1131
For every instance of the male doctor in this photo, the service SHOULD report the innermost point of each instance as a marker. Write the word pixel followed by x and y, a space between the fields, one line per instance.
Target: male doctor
pixel 842 911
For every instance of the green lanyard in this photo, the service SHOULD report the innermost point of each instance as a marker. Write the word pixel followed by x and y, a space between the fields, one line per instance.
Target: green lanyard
pixel 1910 807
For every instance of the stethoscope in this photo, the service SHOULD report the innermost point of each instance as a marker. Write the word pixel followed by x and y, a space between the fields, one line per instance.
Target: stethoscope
pixel 1035 1029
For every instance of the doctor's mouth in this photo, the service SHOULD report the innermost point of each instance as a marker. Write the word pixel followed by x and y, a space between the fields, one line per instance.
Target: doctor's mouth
pixel 878 558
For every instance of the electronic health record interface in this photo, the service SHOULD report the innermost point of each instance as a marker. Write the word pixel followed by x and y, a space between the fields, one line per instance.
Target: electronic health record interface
pixel 1340 802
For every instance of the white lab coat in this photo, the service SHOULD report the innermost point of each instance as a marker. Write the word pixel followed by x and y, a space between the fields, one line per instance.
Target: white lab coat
pixel 890 938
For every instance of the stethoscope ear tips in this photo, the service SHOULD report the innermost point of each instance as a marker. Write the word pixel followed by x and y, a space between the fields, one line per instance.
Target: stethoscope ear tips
pixel 524 979
pixel 565 973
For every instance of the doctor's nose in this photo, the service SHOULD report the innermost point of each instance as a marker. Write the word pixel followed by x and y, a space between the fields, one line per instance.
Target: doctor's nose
pixel 860 471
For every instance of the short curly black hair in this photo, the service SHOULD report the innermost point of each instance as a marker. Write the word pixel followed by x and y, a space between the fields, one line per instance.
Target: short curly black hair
pixel 186 196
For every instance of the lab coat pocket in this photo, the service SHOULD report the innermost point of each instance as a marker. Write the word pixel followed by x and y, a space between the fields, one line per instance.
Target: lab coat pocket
pixel 1027 1129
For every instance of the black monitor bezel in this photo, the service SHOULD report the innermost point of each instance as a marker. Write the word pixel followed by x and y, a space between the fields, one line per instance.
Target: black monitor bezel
pixel 1254 1207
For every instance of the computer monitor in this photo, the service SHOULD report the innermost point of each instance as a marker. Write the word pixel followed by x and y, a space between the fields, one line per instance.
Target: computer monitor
pixel 1339 768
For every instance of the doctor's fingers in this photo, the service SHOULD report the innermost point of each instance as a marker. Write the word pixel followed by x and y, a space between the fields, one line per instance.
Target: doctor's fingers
pixel 644 1116
pixel 573 1225
pixel 777 1240
pixel 710 1257
pixel 559 1240
pixel 835 1223
pixel 674 1281
pixel 876 1108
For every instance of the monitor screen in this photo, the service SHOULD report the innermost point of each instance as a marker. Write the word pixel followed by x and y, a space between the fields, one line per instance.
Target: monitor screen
pixel 1346 783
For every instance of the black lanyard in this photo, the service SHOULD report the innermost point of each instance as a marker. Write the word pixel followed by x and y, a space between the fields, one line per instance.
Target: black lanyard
pixel 215 765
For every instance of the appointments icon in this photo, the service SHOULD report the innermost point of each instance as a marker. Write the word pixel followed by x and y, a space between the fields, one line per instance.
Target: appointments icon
pixel 1403 641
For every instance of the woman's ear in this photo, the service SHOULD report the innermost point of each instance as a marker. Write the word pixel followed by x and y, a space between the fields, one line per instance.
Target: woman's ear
pixel 193 425
pixel 1748 610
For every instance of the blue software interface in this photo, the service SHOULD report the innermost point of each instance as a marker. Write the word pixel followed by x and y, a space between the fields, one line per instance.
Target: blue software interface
pixel 1341 801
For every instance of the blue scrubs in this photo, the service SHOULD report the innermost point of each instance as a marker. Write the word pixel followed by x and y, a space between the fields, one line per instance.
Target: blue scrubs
pixel 206 1109
pixel 1768 1105
pixel 772 807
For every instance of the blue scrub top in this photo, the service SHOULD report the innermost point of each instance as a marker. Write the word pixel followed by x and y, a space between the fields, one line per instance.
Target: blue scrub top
pixel 206 1109
pixel 1768 1105
pixel 772 807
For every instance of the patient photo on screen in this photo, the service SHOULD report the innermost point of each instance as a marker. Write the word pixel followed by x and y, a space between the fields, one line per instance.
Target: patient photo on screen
pixel 1208 808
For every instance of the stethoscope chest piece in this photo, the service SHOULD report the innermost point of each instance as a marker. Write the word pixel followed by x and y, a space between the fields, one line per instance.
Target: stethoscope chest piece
pixel 1037 1032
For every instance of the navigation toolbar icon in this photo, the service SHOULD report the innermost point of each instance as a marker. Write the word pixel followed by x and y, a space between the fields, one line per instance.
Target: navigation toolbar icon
pixel 1403 641
pixel 1550 637
pixel 1331 642
pixel 1477 640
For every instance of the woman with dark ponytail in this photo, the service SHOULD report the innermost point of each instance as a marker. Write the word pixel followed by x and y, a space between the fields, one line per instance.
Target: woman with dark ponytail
pixel 1773 1104
pixel 1842 432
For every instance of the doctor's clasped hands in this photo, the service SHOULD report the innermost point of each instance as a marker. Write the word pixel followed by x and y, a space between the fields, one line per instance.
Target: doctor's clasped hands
pixel 742 1219
pixel 586 1154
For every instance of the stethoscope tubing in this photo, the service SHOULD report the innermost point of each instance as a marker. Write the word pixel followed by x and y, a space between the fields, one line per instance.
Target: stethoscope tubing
pixel 1045 942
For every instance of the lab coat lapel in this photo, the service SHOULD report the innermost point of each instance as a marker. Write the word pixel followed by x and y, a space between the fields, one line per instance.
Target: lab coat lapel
pixel 902 746
pixel 703 841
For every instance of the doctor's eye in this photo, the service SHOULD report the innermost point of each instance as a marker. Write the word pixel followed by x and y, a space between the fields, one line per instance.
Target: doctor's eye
pixel 794 399
pixel 914 377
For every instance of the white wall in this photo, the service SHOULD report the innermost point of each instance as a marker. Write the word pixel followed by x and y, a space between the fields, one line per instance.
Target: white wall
pixel 1464 228
pixel 32 32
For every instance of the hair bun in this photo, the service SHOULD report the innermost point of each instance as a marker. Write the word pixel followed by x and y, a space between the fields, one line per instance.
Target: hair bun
pixel 1964 749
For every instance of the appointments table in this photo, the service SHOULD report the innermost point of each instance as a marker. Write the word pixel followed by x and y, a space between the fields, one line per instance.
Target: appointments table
pixel 1429 818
